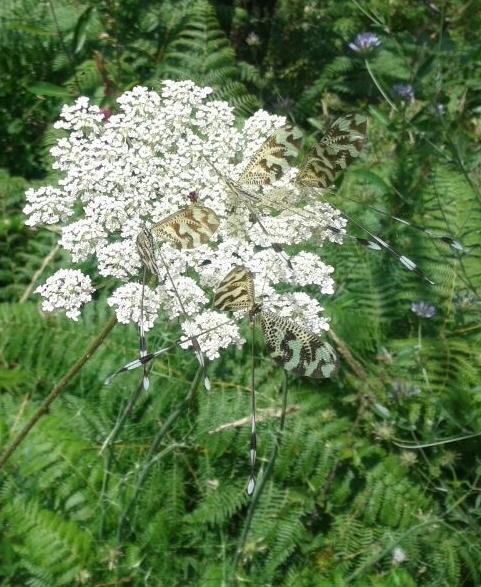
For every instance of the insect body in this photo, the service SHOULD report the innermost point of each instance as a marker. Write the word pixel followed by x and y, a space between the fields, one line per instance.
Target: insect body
pixel 333 154
pixel 186 229
pixel 292 346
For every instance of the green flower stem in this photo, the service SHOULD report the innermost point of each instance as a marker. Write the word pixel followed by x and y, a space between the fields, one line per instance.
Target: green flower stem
pixel 378 85
pixel 412 445
pixel 56 391
pixel 431 521
pixel 51 255
pixel 65 47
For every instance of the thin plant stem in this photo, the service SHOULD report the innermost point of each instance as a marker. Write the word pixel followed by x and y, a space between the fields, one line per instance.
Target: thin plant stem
pixel 344 350
pixel 263 479
pixel 378 85
pixel 51 255
pixel 174 416
pixel 371 16
pixel 391 545
pixel 56 391
pixel 417 445
pixel 457 157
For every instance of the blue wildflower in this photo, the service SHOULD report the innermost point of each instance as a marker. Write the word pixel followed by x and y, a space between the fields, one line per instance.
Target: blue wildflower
pixel 404 91
pixel 423 309
pixel 365 43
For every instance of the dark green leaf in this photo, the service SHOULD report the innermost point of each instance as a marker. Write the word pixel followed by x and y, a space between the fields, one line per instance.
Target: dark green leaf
pixel 80 33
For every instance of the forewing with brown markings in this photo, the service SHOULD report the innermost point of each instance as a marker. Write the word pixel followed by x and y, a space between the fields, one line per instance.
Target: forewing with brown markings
pixel 188 228
pixel 235 291
pixel 342 143
pixel 273 158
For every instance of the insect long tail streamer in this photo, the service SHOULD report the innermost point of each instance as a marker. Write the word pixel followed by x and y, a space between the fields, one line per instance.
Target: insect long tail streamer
pixel 253 441
pixel 195 343
pixel 143 351
pixel 139 362
pixel 263 478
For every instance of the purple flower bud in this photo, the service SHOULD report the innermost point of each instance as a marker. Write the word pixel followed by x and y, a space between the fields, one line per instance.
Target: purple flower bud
pixel 423 309
pixel 404 91
pixel 365 43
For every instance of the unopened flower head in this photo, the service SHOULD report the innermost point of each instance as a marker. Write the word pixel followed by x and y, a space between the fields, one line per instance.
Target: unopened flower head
pixel 365 43
pixel 130 168
pixel 404 92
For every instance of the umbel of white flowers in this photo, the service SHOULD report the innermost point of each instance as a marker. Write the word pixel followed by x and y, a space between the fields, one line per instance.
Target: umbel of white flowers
pixel 134 168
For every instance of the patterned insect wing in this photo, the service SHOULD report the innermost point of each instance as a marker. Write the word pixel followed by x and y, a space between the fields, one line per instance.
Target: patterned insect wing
pixel 235 291
pixel 296 349
pixel 274 157
pixel 341 144
pixel 188 228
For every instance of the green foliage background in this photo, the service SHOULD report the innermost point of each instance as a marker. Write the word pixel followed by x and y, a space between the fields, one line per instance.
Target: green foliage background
pixel 346 504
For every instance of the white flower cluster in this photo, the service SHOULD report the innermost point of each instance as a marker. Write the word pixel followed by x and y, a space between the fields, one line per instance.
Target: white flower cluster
pixel 68 290
pixel 47 205
pixel 127 303
pixel 139 165
pixel 216 332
